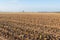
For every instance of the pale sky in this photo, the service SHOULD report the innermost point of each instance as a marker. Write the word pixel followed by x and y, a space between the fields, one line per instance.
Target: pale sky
pixel 29 5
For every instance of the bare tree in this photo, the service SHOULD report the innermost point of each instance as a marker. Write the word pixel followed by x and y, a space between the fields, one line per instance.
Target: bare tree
pixel 23 11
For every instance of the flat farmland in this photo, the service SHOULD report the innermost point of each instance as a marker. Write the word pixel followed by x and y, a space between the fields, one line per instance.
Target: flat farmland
pixel 29 26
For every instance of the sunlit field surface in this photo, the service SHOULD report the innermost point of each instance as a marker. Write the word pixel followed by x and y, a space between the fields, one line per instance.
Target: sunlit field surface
pixel 29 26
